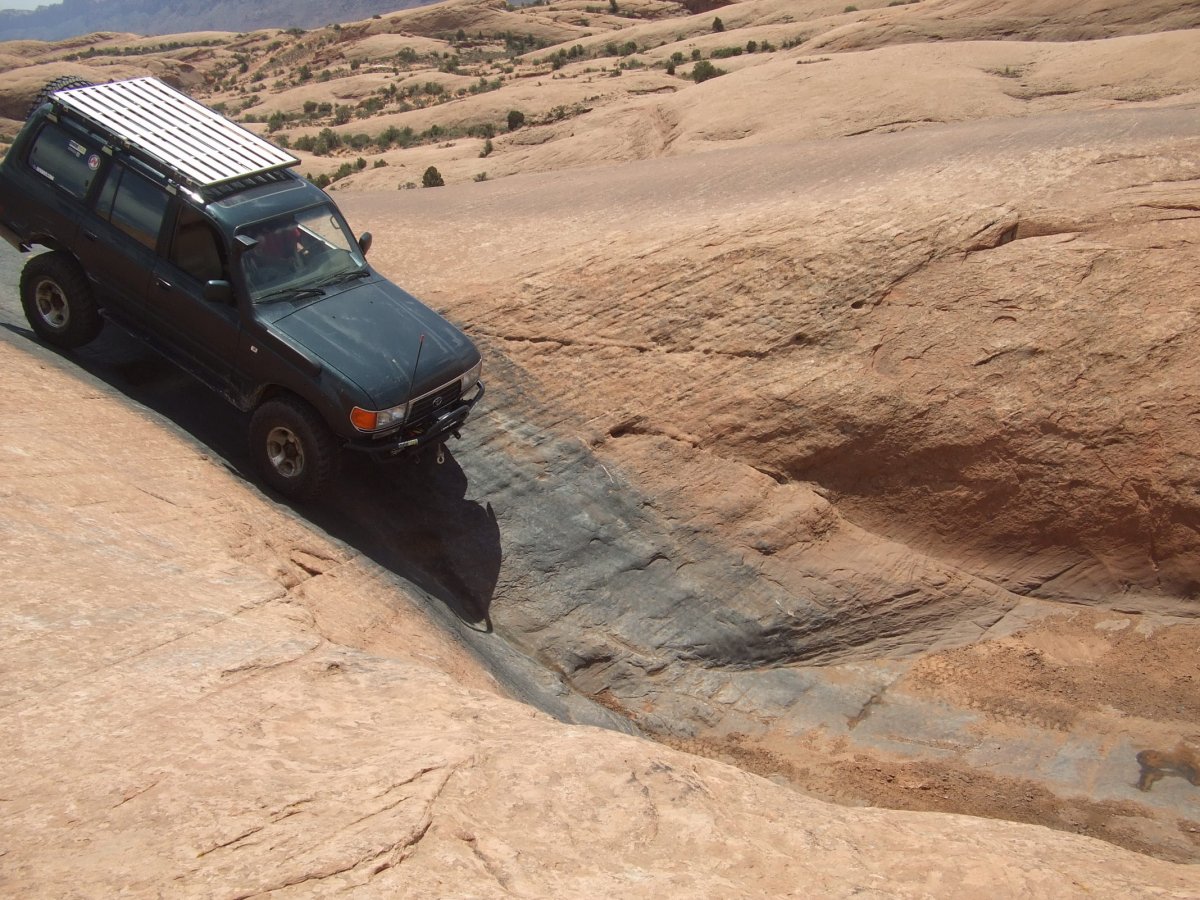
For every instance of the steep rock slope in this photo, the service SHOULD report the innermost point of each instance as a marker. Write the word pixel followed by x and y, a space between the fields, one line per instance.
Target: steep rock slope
pixel 849 403
pixel 198 732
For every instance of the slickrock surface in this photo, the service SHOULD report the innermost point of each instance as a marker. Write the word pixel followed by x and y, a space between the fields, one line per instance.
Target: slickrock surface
pixel 180 719
pixel 841 425
pixel 854 402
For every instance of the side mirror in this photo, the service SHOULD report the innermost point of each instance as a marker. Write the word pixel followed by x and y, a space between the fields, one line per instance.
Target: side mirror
pixel 218 292
pixel 364 242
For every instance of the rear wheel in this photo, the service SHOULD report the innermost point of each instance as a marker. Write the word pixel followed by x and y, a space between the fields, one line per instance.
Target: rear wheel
pixel 58 301
pixel 293 448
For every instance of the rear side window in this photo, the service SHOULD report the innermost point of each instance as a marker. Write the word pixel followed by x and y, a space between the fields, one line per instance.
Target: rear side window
pixel 65 158
pixel 134 204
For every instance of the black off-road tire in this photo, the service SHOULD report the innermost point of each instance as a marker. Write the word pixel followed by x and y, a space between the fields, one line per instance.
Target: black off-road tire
pixel 61 83
pixel 293 448
pixel 58 301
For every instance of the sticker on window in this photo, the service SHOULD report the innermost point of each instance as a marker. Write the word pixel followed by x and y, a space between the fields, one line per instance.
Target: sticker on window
pixel 94 161
pixel 77 148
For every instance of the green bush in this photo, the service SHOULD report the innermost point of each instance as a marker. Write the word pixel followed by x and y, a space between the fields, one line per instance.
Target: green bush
pixel 516 119
pixel 718 25
pixel 432 178
pixel 704 70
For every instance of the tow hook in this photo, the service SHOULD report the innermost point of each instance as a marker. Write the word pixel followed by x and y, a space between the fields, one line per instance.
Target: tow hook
pixel 441 457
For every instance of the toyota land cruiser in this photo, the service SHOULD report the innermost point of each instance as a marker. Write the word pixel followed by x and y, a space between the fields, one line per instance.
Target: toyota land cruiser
pixel 196 235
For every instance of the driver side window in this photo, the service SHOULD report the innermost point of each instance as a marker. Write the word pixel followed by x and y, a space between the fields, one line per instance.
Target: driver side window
pixel 196 250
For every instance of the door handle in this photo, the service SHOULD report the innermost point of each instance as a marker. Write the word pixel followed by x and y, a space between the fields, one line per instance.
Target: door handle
pixel 90 235
pixel 163 285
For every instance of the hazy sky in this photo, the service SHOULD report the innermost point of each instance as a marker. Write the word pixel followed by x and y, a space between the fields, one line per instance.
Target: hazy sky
pixel 25 4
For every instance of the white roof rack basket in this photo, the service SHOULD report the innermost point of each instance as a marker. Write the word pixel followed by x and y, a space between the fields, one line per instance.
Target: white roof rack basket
pixel 198 147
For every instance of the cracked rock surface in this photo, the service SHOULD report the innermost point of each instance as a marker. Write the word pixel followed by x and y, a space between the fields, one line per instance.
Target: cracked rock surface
pixel 758 445
pixel 845 432
pixel 204 732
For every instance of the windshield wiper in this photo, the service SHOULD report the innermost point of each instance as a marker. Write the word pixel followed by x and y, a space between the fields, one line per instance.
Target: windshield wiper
pixel 343 277
pixel 291 292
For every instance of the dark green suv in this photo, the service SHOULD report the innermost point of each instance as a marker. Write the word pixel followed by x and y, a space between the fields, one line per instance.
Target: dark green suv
pixel 195 235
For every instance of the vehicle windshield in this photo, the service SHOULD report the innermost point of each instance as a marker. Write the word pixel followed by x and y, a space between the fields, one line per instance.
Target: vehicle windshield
pixel 300 252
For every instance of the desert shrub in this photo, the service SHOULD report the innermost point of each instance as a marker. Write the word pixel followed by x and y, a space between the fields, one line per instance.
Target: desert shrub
pixel 392 135
pixel 671 67
pixel 481 176
pixel 717 24
pixel 677 57
pixel 487 148
pixel 726 52
pixel 850 9
pixel 695 53
pixel 516 119
pixel 705 70
pixel 432 178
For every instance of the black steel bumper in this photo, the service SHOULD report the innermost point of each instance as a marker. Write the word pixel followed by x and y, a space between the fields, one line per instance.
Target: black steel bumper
pixel 437 431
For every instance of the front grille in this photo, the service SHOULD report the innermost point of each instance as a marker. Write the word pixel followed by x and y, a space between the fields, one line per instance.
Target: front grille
pixel 435 403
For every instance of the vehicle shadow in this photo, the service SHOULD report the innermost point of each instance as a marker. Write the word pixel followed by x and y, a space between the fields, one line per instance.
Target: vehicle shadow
pixel 413 518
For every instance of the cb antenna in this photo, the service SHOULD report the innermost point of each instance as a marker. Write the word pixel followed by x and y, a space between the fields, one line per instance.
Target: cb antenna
pixel 412 387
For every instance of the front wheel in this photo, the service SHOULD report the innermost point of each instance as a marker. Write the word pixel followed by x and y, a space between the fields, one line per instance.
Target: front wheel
pixel 58 301
pixel 292 447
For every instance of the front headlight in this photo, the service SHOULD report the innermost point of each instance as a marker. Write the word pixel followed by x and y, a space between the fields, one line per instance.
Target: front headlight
pixel 472 377
pixel 377 420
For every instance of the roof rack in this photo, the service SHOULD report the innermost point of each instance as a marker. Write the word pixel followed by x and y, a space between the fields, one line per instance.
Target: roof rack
pixel 196 146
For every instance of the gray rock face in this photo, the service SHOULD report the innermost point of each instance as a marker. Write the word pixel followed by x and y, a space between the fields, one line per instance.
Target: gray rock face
pixel 896 399
pixel 185 711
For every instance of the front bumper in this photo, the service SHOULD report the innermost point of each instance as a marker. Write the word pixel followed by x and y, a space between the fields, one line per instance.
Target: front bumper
pixel 409 441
